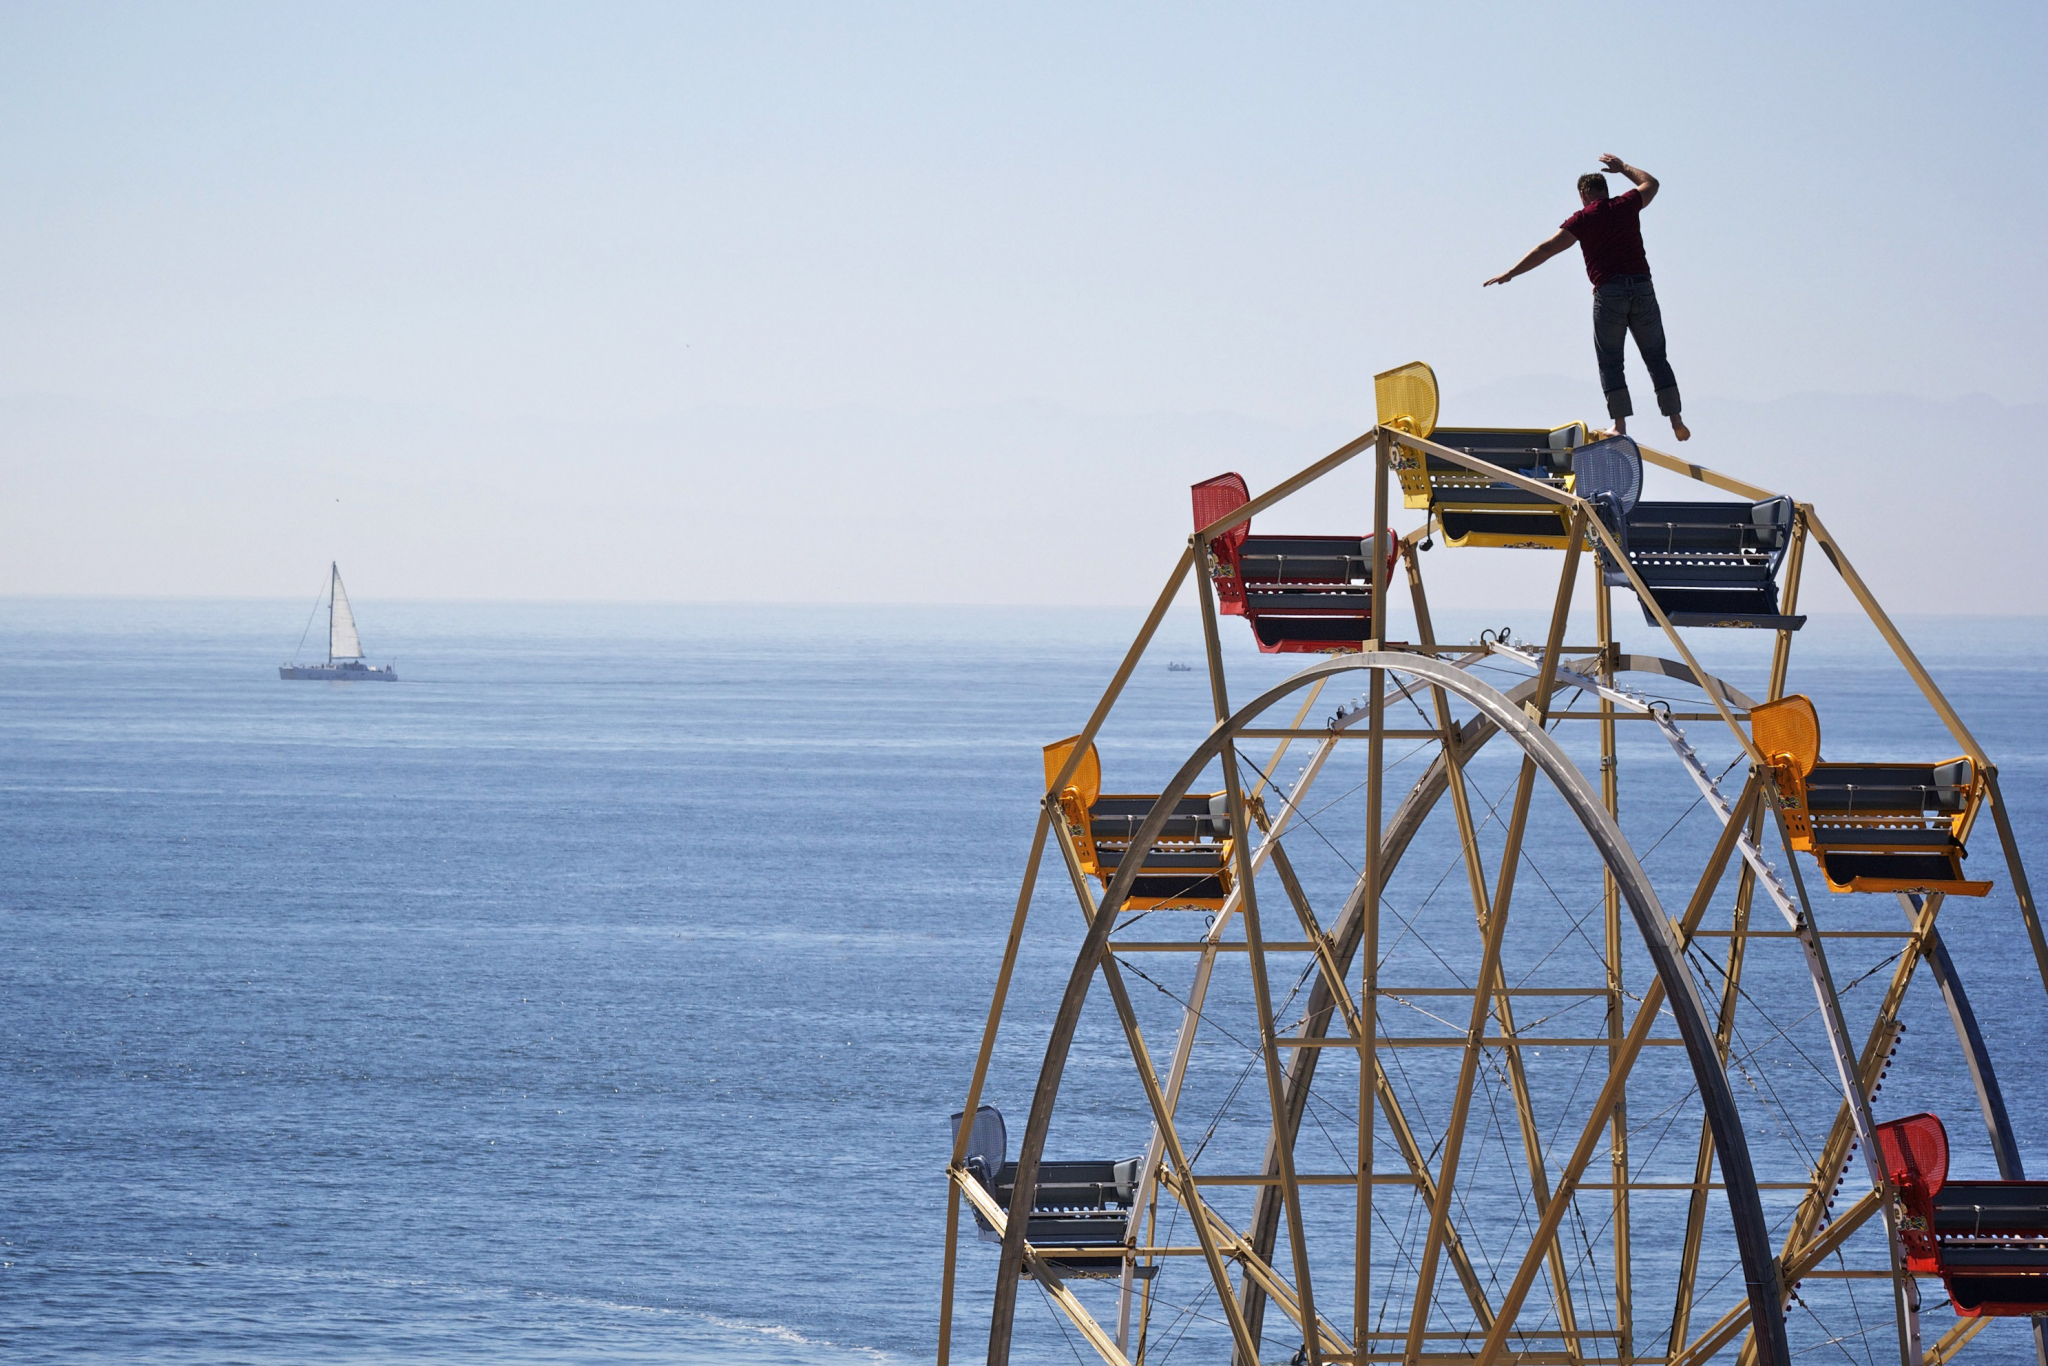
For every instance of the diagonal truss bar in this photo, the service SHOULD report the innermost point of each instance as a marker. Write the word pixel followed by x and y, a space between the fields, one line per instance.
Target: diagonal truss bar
pixel 1177 1178
pixel 1799 918
pixel 1708 1344
pixel 1883 1037
pixel 1198 991
pixel 1256 1269
pixel 1003 1312
pixel 1002 991
pixel 1105 1346
pixel 1495 931
pixel 1906 1291
pixel 1745 811
pixel 1954 1340
pixel 1124 670
pixel 1332 958
pixel 1155 1096
pixel 1269 1051
pixel 1205 964
pixel 1713 478
pixel 1262 997
pixel 980 1076
pixel 1475 878
pixel 1401 829
pixel 1290 486
pixel 2022 890
pixel 1738 943
pixel 1333 973
pixel 1904 652
pixel 1788 602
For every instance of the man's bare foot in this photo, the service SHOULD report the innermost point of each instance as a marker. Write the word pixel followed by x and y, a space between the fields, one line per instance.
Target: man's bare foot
pixel 1620 427
pixel 1679 429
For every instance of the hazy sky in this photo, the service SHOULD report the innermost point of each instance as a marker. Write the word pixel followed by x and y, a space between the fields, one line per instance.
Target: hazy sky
pixel 601 213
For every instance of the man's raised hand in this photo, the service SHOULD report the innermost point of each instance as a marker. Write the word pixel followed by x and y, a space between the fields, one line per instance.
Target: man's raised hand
pixel 1499 280
pixel 1610 162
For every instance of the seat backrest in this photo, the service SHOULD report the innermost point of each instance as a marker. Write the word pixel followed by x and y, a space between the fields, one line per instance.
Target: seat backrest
pixel 1564 444
pixel 1118 816
pixel 1520 449
pixel 1787 727
pixel 988 1142
pixel 1772 519
pixel 1704 528
pixel 1304 559
pixel 1888 788
pixel 1216 499
pixel 1915 1152
pixel 1219 815
pixel 1953 781
pixel 1072 1185
pixel 1406 398
pixel 1085 781
pixel 1301 559
pixel 1610 474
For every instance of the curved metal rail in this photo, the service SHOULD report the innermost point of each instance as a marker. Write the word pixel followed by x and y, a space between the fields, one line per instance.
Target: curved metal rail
pixel 1666 954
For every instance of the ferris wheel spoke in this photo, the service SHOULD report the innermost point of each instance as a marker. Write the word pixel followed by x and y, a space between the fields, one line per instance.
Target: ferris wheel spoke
pixel 1696 1205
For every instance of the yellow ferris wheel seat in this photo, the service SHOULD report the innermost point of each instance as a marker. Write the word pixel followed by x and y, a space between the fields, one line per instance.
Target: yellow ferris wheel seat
pixel 1473 507
pixel 1874 827
pixel 1187 868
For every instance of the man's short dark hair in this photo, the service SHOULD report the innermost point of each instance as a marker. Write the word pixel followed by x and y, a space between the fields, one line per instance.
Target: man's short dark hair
pixel 1594 184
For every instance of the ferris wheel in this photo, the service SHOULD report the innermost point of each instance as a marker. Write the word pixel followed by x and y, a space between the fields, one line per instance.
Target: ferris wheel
pixel 1517 1000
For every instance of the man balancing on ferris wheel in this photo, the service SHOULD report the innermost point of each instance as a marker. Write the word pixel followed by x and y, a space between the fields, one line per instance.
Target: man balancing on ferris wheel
pixel 1610 235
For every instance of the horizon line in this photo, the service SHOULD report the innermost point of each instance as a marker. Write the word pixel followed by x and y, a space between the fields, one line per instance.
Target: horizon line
pixel 757 603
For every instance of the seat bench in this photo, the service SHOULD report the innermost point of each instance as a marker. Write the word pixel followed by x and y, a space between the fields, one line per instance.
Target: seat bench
pixel 1874 827
pixel 1881 789
pixel 1302 559
pixel 1074 1205
pixel 1700 563
pixel 1302 599
pixel 1188 866
pixel 1987 1240
pixel 1476 510
pixel 1301 594
pixel 1710 563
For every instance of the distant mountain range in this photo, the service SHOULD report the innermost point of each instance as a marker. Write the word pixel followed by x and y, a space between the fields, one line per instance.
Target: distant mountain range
pixel 1021 503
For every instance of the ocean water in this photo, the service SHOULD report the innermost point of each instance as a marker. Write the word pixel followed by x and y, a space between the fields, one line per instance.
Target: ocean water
pixel 600 991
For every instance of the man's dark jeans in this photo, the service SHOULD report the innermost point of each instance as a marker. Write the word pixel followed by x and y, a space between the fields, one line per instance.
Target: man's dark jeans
pixel 1621 305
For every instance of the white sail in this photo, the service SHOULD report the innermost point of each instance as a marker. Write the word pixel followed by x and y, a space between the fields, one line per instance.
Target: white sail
pixel 342 640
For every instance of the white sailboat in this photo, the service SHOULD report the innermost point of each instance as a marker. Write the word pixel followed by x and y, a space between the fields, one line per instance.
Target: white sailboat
pixel 344 646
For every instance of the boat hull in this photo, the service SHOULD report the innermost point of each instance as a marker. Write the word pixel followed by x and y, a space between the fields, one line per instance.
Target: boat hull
pixel 339 673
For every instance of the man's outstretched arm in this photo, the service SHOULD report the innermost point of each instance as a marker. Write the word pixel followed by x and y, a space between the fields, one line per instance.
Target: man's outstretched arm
pixel 1557 242
pixel 1643 180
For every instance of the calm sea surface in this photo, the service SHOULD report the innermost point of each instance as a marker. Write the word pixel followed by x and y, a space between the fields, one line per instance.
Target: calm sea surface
pixel 601 990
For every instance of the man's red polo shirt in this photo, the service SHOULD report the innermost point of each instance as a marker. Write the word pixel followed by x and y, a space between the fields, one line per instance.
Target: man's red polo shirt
pixel 1610 233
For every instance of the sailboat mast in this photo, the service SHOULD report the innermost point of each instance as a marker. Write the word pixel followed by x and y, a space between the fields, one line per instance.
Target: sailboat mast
pixel 333 578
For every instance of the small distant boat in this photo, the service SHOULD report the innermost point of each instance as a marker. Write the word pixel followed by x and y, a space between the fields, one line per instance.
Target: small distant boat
pixel 1176 667
pixel 344 646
